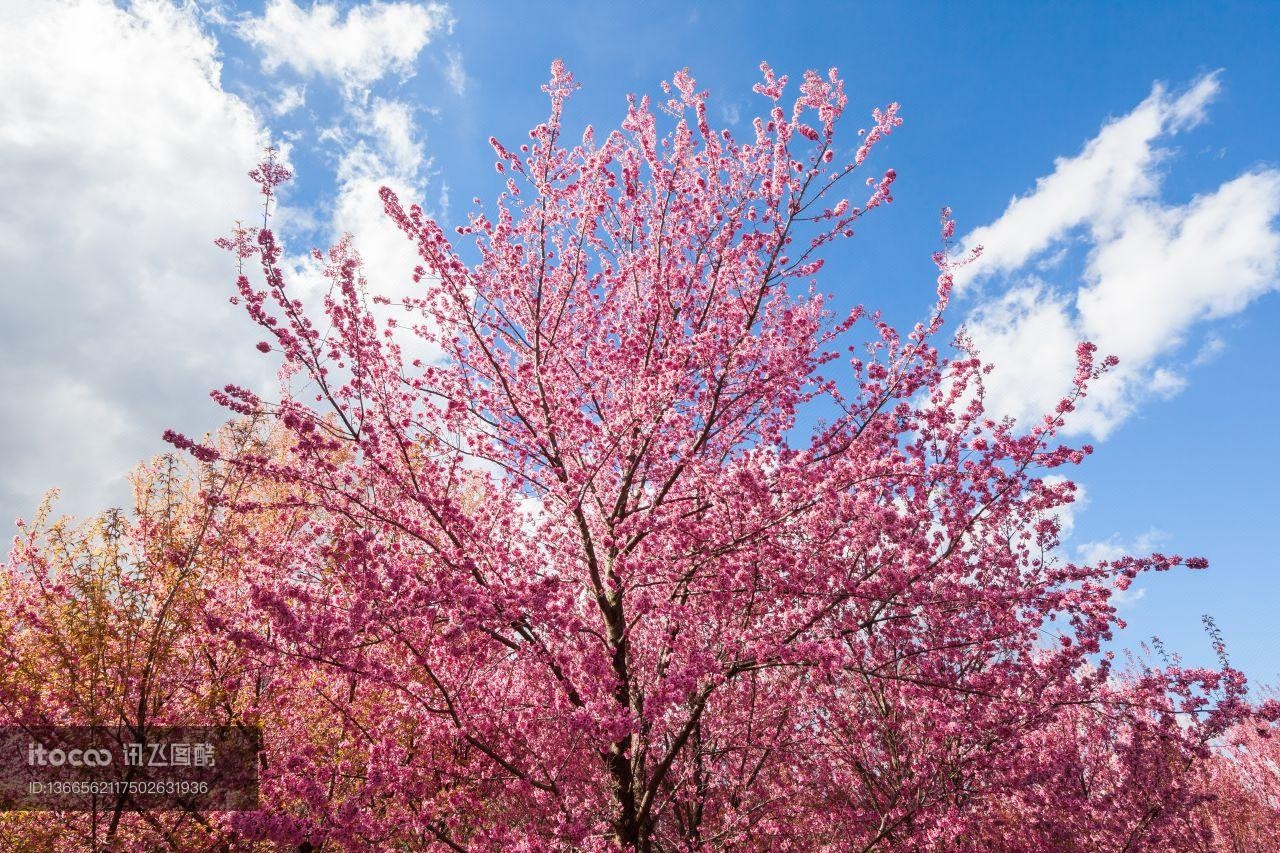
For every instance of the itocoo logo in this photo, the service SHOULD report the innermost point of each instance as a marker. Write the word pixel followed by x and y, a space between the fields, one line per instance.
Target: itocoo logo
pixel 38 755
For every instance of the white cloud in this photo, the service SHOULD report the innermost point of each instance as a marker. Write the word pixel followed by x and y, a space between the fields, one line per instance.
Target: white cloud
pixel 1125 599
pixel 378 145
pixel 1212 347
pixel 455 73
pixel 1025 333
pixel 1153 270
pixel 391 123
pixel 1096 186
pixel 291 97
pixel 121 158
pixel 388 255
pixel 1113 548
pixel 1165 384
pixel 370 42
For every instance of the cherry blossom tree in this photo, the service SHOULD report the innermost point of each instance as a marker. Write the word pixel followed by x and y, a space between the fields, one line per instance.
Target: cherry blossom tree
pixel 662 551
pixel 102 624
pixel 1238 788
pixel 114 621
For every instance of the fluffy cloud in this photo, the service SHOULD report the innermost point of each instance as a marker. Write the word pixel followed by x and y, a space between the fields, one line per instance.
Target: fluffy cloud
pixel 1153 271
pixel 376 146
pixel 1029 335
pixel 375 140
pixel 291 97
pixel 388 152
pixel 1098 185
pixel 357 50
pixel 121 158
pixel 388 255
pixel 455 73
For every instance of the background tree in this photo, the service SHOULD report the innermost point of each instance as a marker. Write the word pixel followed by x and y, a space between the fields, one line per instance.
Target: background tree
pixel 101 624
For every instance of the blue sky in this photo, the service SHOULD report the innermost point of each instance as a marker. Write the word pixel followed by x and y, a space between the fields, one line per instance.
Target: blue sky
pixel 130 127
